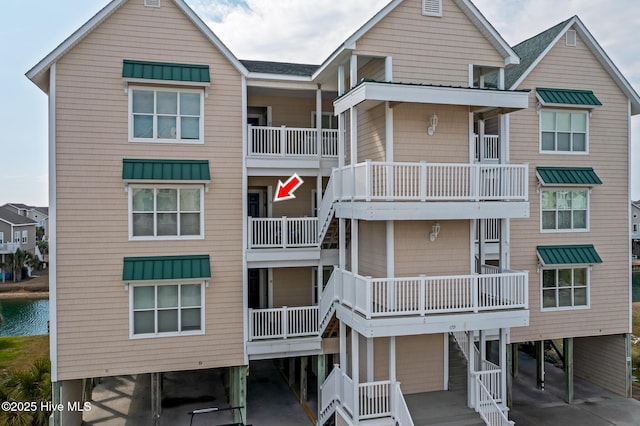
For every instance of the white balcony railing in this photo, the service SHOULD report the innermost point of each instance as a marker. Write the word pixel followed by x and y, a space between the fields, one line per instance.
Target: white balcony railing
pixel 7 248
pixel 381 181
pixel 486 405
pixel 282 232
pixel 283 323
pixel 490 148
pixel 291 141
pixel 419 296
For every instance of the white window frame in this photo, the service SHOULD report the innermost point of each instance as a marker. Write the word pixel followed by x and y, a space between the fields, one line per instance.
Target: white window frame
pixel 425 11
pixel 25 236
pixel 155 188
pixel 1 237
pixel 571 38
pixel 572 287
pixel 555 151
pixel 155 138
pixel 156 309
pixel 324 114
pixel 16 237
pixel 560 231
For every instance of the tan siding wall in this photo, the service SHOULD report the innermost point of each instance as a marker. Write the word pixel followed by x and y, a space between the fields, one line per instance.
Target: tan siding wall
pixel 372 249
pixel 291 287
pixel 427 49
pixel 419 362
pixel 371 134
pixel 449 144
pixel 297 207
pixel 602 360
pixel 415 254
pixel 291 111
pixel 373 69
pixel 92 239
pixel 576 68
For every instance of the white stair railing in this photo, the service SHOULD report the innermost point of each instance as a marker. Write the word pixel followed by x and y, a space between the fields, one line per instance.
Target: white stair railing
pixel 326 208
pixel 374 399
pixel 399 409
pixel 326 308
pixel 329 394
pixel 487 407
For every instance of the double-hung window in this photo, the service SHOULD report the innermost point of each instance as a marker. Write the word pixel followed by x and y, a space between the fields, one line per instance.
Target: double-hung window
pixel 562 131
pixel 565 210
pixel 16 237
pixel 1 237
pixel 167 309
pixel 166 115
pixel 565 287
pixel 168 212
pixel 25 237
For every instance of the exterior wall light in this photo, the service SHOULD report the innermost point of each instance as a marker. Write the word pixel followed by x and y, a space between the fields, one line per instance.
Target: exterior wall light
pixel 435 230
pixel 434 123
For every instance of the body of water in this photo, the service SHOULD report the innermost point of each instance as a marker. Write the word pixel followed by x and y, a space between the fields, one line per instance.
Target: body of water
pixel 24 317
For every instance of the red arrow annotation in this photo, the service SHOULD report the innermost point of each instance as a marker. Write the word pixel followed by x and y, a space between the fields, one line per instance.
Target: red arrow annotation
pixel 285 190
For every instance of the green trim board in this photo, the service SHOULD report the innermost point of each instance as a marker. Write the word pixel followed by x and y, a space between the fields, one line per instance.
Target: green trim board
pixel 580 254
pixel 152 268
pixel 191 73
pixel 567 176
pixel 181 170
pixel 569 97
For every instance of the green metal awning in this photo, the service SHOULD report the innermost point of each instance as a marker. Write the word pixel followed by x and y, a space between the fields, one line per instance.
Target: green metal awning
pixel 567 176
pixel 584 254
pixel 157 170
pixel 153 268
pixel 567 97
pixel 185 73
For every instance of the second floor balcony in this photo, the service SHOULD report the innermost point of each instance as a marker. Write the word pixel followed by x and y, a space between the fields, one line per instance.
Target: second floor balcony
pixel 9 248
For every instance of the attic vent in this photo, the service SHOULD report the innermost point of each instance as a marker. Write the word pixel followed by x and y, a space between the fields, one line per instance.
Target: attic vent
pixel 152 3
pixel 570 38
pixel 432 7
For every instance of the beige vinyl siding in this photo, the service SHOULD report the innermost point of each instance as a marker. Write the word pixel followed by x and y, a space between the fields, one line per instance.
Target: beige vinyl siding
pixel 415 254
pixel 92 225
pixel 577 68
pixel 373 69
pixel 419 362
pixel 290 111
pixel 371 134
pixel 602 360
pixel 291 287
pixel 301 206
pixel 372 248
pixel 449 143
pixel 427 49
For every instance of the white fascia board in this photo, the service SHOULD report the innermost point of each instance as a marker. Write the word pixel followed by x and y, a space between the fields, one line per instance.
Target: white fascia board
pixel 485 27
pixel 430 324
pixel 452 210
pixel 36 74
pixel 17 224
pixel 382 92
pixel 257 78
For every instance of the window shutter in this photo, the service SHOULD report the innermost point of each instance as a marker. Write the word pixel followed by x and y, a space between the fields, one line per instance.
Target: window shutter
pixel 570 38
pixel 152 3
pixel 432 7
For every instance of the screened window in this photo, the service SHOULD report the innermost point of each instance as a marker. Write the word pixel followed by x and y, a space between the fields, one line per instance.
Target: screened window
pixel 25 237
pixel 166 115
pixel 565 288
pixel 166 212
pixel 563 131
pixel 565 210
pixel 166 309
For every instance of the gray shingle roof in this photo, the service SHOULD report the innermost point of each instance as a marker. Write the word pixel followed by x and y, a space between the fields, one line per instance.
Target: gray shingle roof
pixel 282 68
pixel 14 218
pixel 529 50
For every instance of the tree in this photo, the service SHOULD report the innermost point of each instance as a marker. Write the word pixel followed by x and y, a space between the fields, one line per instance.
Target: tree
pixel 31 385
pixel 18 260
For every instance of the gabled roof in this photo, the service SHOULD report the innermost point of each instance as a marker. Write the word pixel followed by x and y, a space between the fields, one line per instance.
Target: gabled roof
pixel 12 218
pixel 19 206
pixel 533 50
pixel 474 15
pixel 281 68
pixel 38 74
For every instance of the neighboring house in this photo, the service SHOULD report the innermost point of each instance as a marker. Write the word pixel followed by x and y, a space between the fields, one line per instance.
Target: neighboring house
pixel 635 229
pixel 478 199
pixel 38 214
pixel 16 231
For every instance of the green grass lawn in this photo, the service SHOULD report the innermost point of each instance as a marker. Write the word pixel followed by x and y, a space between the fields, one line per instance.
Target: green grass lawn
pixel 20 352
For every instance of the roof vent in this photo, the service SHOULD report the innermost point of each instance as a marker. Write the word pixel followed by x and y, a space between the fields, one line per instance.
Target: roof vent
pixel 432 7
pixel 570 38
pixel 152 3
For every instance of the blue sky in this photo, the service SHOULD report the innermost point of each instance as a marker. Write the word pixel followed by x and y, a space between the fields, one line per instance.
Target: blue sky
pixel 281 30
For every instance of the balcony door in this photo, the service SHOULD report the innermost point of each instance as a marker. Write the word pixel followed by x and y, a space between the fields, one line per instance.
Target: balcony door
pixel 257 202
pixel 257 288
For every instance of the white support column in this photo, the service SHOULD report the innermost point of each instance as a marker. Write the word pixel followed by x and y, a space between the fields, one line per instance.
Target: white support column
pixel 355 372
pixel 503 138
pixel 392 359
pixel 353 71
pixel 445 367
pixel 482 236
pixel 505 262
pixel 353 140
pixel 471 384
pixel 341 139
pixel 470 75
pixel 501 79
pixel 483 347
pixel 388 123
pixel 319 120
pixel 472 141
pixel 342 243
pixel 319 281
pixel 370 359
pixel 341 80
pixel 504 341
pixel 481 146
pixel 354 246
pixel 343 346
pixel 388 69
